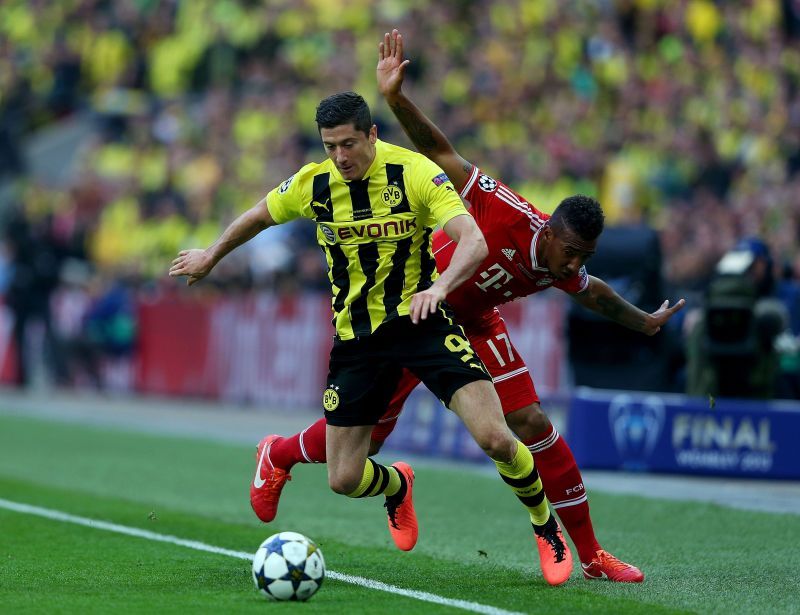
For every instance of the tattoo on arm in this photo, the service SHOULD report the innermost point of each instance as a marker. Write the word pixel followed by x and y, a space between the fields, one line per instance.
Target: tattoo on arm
pixel 419 132
pixel 609 307
pixel 615 309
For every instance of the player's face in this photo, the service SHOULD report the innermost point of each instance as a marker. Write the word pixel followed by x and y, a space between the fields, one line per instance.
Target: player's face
pixel 351 150
pixel 565 252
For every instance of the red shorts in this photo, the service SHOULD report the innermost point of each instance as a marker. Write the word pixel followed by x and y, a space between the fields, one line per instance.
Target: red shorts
pixel 512 381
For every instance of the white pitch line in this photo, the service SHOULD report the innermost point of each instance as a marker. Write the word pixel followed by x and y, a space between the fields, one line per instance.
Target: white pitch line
pixel 57 515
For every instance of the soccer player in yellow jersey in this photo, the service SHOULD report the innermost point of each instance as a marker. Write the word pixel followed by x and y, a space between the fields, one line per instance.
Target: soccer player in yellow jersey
pixel 374 205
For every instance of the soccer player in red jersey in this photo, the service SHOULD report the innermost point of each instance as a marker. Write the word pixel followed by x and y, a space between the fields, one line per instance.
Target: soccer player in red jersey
pixel 529 251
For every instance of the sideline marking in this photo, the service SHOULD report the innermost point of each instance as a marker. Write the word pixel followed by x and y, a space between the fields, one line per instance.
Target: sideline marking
pixel 57 515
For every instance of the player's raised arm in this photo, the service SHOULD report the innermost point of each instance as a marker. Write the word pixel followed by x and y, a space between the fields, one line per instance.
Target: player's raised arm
pixel 424 134
pixel 198 263
pixel 601 298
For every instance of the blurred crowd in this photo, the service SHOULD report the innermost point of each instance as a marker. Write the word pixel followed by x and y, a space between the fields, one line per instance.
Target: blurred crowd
pixel 682 115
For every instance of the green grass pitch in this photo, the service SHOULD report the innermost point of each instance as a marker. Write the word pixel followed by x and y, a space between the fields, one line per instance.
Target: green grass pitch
pixel 697 557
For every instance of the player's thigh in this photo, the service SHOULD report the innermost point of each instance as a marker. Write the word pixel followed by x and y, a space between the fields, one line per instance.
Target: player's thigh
pixel 478 407
pixel 448 365
pixel 438 352
pixel 512 379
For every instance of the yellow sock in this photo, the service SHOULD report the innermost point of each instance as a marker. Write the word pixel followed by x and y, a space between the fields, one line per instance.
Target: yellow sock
pixel 521 475
pixel 377 480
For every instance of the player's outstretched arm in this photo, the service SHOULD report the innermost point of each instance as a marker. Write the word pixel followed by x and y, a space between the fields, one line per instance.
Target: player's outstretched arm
pixel 424 134
pixel 196 263
pixel 601 298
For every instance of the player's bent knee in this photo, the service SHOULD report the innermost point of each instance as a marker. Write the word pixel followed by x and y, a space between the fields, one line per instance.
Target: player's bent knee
pixel 344 484
pixel 528 422
pixel 498 444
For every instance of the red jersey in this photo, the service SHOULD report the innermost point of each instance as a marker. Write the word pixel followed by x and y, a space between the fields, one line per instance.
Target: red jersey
pixel 511 227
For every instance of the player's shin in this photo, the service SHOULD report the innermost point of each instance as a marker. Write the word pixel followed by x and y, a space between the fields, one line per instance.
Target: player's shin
pixel 564 487
pixel 378 480
pixel 554 555
pixel 521 475
pixel 307 446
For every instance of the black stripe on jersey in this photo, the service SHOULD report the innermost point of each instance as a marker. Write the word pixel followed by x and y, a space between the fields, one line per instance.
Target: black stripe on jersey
pixel 359 195
pixel 395 281
pixel 339 277
pixel 359 309
pixel 394 175
pixel 321 201
pixel 427 264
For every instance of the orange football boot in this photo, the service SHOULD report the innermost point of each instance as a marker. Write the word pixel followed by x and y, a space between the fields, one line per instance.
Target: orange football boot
pixel 555 557
pixel 402 518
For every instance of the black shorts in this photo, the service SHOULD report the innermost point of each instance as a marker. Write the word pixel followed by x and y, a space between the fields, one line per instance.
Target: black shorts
pixel 364 372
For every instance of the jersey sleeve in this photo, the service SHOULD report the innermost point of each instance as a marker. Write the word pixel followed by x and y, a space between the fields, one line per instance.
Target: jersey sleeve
pixel 575 284
pixel 434 190
pixel 286 201
pixel 480 189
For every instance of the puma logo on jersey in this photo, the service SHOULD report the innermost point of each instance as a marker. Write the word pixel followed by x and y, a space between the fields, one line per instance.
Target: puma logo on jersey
pixel 509 253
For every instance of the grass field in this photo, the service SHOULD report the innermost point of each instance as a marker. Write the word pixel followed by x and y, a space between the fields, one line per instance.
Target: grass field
pixel 697 557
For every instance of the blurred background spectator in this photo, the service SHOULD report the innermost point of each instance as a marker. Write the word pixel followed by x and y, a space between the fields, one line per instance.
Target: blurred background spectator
pixel 731 341
pixel 134 128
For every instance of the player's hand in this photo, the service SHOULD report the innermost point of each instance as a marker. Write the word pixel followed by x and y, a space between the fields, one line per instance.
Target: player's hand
pixel 195 264
pixel 391 65
pixel 426 302
pixel 661 316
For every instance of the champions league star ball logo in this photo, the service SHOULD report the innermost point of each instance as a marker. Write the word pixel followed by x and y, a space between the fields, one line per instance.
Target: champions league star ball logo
pixel 486 183
pixel 635 426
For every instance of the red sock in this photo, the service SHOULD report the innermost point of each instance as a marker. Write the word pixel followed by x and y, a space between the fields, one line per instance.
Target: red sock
pixel 563 485
pixel 308 446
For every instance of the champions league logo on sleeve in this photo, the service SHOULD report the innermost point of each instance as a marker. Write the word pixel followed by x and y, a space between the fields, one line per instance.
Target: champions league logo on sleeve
pixel 441 179
pixel 486 183
pixel 636 426
pixel 285 185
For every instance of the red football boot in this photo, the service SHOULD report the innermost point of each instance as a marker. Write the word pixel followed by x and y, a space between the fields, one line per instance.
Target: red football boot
pixel 606 566
pixel 265 490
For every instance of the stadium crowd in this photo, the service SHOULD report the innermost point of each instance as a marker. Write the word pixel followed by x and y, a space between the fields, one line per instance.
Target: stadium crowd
pixel 680 114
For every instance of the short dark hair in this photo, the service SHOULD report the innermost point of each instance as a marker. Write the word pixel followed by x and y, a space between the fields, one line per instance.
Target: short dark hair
pixel 580 214
pixel 344 108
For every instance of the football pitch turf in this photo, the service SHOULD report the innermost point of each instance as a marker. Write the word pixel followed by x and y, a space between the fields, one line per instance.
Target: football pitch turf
pixel 475 551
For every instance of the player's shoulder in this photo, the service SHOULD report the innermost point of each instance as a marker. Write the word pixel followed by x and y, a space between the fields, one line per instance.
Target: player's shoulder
pixel 482 186
pixel 395 154
pixel 303 179
pixel 309 171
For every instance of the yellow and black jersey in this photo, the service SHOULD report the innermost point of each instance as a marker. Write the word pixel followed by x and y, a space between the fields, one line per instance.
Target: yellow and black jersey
pixel 376 231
